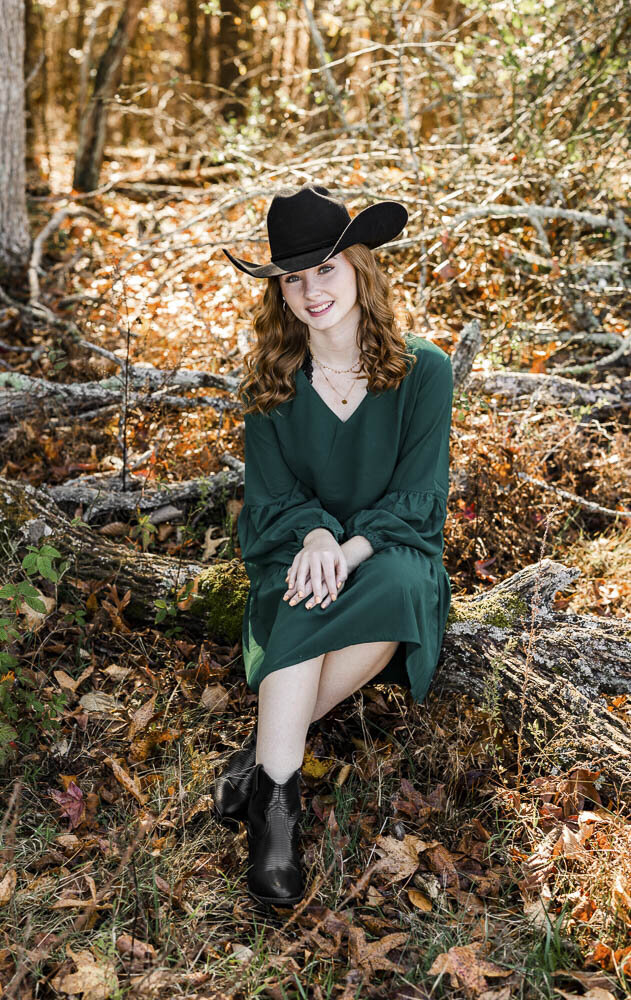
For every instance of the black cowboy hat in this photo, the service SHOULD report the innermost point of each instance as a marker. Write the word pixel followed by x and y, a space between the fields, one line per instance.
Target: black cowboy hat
pixel 307 225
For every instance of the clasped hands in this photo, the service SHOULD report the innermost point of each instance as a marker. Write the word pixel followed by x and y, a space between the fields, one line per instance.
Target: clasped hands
pixel 320 568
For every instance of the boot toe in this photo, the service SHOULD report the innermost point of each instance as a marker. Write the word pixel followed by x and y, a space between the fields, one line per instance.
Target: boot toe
pixel 277 885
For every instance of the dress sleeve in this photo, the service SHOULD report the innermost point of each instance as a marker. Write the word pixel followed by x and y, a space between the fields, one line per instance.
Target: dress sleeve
pixel 413 509
pixel 278 509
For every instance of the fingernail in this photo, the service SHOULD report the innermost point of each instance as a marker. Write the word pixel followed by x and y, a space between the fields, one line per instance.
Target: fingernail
pixel 293 600
pixel 300 593
pixel 334 597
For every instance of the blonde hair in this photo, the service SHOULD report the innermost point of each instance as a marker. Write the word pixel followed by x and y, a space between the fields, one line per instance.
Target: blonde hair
pixel 281 339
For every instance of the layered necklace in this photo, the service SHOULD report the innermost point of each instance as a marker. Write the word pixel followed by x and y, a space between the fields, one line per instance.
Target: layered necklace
pixel 338 371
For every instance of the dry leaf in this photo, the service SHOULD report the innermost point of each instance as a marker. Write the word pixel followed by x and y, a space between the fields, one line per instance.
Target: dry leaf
pixel 130 784
pixel 536 910
pixel 371 956
pixel 118 673
pixel 596 993
pixel 66 683
pixel 93 980
pixel 441 861
pixel 420 899
pixel 620 897
pixel 7 886
pixel 242 952
pixel 69 841
pixel 139 950
pixel 35 618
pixel 100 701
pixel 142 717
pixel 466 968
pixel 215 698
pixel 114 529
pixel 314 767
pixel 72 803
pixel 399 858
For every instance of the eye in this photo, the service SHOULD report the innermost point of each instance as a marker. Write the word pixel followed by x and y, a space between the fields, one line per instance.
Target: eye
pixel 325 267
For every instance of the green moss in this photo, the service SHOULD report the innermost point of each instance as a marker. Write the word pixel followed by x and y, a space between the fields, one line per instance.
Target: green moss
pixel 502 611
pixel 222 592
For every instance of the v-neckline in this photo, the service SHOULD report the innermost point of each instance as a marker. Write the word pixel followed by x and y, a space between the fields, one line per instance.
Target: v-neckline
pixel 328 408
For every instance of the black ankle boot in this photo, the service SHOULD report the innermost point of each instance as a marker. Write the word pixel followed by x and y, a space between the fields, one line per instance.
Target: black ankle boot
pixel 232 787
pixel 275 871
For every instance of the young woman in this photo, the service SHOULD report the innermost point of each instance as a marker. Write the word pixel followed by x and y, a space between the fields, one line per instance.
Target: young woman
pixel 347 425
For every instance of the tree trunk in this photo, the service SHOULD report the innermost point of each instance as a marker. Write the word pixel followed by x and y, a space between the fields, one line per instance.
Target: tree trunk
pixel 15 240
pixel 235 25
pixel 507 649
pixel 93 123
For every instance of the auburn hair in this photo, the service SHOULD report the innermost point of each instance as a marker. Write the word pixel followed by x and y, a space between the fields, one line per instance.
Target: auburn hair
pixel 282 339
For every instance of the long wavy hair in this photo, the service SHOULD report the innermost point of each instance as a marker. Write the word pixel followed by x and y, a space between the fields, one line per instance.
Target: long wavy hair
pixel 282 339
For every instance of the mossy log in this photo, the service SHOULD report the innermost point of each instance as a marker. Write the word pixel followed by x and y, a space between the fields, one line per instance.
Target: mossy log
pixel 508 649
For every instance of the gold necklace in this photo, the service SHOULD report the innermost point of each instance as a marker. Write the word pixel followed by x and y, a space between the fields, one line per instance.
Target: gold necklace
pixel 339 372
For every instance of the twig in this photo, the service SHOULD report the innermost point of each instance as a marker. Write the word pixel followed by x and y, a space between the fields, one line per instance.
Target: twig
pixel 587 504
pixel 38 244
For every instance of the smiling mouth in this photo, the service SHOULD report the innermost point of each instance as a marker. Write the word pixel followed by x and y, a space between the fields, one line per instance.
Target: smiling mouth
pixel 316 310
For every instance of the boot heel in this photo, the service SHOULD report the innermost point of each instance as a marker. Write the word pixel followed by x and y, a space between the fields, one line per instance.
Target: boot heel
pixel 273 825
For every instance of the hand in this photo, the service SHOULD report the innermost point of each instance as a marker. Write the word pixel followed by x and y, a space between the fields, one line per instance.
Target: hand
pixel 292 592
pixel 322 562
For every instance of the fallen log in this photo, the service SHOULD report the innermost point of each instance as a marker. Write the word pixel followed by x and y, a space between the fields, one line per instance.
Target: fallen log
pixel 507 648
pixel 102 497
pixel 21 394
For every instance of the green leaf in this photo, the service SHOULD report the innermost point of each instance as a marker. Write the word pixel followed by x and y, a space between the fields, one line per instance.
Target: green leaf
pixel 35 604
pixel 46 569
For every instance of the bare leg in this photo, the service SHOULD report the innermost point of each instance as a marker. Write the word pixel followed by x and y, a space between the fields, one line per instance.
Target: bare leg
pixel 346 670
pixel 287 698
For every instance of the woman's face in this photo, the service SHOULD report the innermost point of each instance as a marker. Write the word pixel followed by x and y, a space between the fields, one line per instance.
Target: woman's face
pixel 332 285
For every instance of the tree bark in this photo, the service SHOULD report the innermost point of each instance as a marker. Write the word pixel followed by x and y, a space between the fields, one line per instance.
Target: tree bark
pixel 93 123
pixel 507 649
pixel 15 240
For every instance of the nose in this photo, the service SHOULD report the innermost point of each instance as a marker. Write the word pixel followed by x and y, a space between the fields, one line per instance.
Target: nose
pixel 312 287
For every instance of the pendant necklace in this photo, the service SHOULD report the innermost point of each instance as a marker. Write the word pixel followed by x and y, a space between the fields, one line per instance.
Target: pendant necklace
pixel 338 371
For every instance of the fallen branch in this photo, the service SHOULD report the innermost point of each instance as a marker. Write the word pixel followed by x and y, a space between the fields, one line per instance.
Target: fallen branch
pixel 573 659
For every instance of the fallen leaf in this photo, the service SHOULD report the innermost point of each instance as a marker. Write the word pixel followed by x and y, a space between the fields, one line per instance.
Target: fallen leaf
pixel 441 862
pixel 7 886
pixel 93 979
pixel 130 784
pixel 314 767
pixel 536 910
pixel 370 956
pixel 466 968
pixel 100 701
pixel 596 993
pixel 72 803
pixel 66 683
pixel 215 698
pixel 620 895
pixel 420 900
pixel 118 673
pixel 135 949
pixel 399 858
pixel 142 717
pixel 242 952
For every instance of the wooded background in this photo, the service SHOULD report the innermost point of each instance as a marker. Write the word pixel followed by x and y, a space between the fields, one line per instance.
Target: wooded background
pixel 138 139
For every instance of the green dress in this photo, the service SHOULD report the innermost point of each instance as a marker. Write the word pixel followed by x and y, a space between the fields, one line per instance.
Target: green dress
pixel 383 474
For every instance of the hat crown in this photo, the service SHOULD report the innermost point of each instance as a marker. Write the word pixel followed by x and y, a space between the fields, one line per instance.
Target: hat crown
pixel 303 219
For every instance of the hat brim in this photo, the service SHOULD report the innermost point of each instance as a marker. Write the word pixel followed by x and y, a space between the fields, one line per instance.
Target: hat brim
pixel 374 226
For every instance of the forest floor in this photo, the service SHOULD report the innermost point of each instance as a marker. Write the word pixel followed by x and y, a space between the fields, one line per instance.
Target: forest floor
pixel 432 870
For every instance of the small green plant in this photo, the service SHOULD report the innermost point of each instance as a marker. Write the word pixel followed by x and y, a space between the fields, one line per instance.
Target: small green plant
pixel 145 530
pixel 22 713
